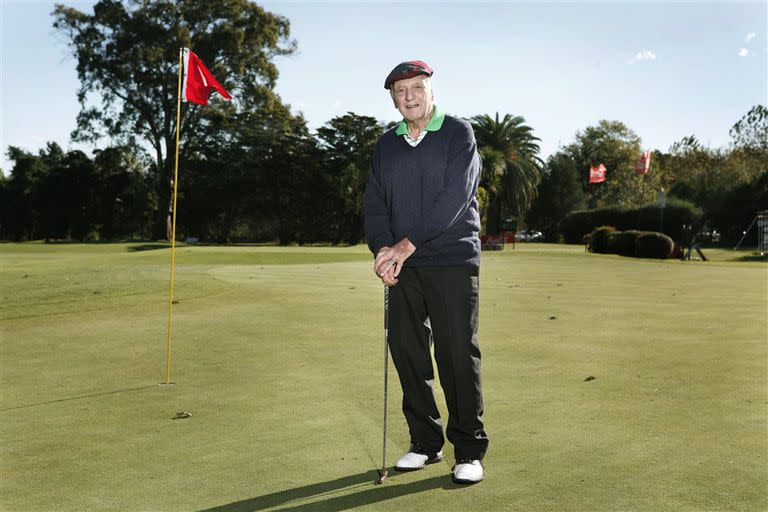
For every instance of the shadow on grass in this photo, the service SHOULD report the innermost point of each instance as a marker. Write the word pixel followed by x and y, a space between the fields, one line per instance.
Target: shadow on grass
pixel 104 241
pixel 367 494
pixel 148 247
pixel 753 257
pixel 78 397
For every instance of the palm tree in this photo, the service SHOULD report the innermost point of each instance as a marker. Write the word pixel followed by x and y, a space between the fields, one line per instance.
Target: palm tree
pixel 511 166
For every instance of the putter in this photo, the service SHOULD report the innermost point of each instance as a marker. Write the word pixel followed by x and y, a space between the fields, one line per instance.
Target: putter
pixel 383 471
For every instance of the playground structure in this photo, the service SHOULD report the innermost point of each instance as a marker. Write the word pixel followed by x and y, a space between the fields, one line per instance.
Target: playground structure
pixel 761 219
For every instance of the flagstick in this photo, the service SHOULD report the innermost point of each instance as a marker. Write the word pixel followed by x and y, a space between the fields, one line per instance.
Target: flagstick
pixel 173 228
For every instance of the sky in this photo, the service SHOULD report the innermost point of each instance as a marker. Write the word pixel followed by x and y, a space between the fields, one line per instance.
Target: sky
pixel 666 69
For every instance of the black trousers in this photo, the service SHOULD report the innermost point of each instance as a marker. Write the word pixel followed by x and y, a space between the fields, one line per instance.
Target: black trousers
pixel 448 296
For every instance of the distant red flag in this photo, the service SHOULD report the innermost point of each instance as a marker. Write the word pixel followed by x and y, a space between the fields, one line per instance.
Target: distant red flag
pixel 597 174
pixel 197 82
pixel 644 164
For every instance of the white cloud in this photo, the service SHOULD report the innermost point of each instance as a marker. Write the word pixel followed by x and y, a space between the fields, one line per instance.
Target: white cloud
pixel 643 55
pixel 743 52
pixel 750 36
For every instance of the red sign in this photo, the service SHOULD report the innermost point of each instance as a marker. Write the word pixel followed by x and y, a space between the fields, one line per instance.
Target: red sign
pixel 597 174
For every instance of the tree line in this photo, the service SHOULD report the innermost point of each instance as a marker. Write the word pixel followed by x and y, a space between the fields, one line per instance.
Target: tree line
pixel 729 185
pixel 251 170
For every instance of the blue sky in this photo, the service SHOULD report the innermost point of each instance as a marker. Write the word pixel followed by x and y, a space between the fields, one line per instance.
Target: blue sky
pixel 666 69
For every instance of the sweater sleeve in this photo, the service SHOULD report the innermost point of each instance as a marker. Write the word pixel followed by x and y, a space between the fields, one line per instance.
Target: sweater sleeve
pixel 378 232
pixel 461 180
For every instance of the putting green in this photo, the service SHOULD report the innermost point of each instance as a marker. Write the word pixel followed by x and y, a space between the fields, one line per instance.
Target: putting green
pixel 277 355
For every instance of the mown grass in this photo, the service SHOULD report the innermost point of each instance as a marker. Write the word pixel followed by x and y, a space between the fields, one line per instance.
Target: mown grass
pixel 277 356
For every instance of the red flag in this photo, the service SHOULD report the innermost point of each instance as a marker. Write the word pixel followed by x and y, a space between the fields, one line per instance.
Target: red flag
pixel 197 83
pixel 597 174
pixel 644 164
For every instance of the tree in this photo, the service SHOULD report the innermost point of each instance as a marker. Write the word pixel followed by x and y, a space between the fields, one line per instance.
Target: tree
pixel 5 210
pixel 58 195
pixel 67 199
pixel 123 197
pixel 511 166
pixel 738 208
pixel 559 194
pixel 347 142
pixel 22 189
pixel 716 180
pixel 698 174
pixel 748 158
pixel 127 53
pixel 752 130
pixel 253 180
pixel 52 155
pixel 279 148
pixel 613 144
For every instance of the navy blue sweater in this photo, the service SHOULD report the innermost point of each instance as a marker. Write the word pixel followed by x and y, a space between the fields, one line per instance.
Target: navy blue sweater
pixel 428 194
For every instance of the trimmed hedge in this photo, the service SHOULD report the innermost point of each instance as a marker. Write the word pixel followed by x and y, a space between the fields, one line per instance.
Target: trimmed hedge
pixel 623 242
pixel 654 245
pixel 641 244
pixel 577 224
pixel 598 239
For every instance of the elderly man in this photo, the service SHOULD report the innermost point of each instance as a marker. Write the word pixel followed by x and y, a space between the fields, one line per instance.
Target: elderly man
pixel 422 225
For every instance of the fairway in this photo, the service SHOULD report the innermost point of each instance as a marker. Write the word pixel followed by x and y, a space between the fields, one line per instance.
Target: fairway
pixel 277 355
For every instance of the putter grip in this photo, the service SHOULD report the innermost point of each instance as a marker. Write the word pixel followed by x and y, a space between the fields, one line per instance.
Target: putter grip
pixel 386 309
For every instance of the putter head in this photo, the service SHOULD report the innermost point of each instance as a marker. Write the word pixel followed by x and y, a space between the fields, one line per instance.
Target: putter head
pixel 382 475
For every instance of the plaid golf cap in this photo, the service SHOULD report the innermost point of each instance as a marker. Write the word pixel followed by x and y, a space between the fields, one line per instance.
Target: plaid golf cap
pixel 407 69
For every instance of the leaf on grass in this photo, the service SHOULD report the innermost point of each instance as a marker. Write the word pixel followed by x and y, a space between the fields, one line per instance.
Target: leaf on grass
pixel 591 377
pixel 182 415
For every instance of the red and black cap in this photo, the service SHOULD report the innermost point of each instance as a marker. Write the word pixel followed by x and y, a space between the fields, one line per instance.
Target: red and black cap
pixel 407 69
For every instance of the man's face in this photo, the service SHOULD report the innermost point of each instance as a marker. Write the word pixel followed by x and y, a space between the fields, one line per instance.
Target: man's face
pixel 413 97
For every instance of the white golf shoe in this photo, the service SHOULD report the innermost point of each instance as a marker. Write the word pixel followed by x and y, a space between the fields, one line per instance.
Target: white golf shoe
pixel 416 459
pixel 468 471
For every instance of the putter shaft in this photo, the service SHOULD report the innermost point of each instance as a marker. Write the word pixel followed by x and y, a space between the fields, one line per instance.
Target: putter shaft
pixel 383 471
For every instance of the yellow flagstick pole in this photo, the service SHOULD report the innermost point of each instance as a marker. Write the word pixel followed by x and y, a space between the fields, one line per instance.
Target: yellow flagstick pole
pixel 173 229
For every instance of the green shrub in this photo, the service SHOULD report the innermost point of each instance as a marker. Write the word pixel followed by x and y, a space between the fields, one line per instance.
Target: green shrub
pixel 598 239
pixel 654 245
pixel 623 242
